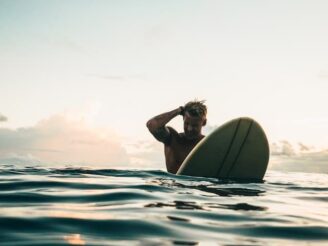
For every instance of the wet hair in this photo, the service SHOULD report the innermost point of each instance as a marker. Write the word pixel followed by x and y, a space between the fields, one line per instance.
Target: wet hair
pixel 196 108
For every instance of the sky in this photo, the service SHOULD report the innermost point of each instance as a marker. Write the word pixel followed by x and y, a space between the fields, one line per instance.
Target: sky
pixel 79 79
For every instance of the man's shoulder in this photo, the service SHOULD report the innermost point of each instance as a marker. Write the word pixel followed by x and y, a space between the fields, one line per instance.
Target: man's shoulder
pixel 165 134
pixel 173 135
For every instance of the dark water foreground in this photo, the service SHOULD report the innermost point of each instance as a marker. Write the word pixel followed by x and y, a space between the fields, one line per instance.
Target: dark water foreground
pixel 67 206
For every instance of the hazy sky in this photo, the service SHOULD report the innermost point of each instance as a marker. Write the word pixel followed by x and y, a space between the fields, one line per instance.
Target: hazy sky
pixel 106 67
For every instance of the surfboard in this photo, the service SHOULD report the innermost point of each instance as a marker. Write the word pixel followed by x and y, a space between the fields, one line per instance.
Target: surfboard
pixel 238 149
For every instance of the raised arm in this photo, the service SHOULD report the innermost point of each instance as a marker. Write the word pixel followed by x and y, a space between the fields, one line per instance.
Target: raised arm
pixel 156 125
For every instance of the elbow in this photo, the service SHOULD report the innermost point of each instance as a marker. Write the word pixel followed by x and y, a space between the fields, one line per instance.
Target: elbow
pixel 150 125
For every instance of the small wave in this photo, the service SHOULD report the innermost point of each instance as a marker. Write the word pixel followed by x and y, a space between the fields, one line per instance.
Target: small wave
pixel 58 206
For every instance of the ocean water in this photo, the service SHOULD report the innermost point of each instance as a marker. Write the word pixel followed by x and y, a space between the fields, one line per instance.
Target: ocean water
pixel 72 206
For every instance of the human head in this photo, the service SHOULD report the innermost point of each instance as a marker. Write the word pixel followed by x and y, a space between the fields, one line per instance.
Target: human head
pixel 194 118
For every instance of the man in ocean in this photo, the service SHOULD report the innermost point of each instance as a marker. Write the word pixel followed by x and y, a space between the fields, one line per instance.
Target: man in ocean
pixel 178 145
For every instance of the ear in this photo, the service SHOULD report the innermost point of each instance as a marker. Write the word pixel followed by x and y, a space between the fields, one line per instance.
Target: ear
pixel 204 122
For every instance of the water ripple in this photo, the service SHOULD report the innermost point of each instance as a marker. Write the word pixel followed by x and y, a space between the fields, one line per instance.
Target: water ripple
pixel 76 206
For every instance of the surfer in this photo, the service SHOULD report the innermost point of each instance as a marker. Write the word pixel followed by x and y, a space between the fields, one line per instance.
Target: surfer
pixel 178 145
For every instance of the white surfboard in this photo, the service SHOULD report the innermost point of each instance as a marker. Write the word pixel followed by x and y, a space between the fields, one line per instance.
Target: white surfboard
pixel 238 149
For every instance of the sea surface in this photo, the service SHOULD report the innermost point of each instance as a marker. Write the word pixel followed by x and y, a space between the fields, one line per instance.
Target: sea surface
pixel 77 206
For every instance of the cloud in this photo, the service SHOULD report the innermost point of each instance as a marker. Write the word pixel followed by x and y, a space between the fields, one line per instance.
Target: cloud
pixel 59 140
pixel 16 159
pixel 65 43
pixel 283 148
pixel 119 78
pixel 149 154
pixel 298 157
pixel 304 148
pixel 323 74
pixel 3 118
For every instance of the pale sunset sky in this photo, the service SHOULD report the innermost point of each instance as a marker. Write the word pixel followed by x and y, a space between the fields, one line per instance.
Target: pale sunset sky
pixel 79 79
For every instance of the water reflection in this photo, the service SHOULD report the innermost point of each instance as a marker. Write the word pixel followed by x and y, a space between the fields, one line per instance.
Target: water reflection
pixel 228 191
pixel 184 243
pixel 74 239
pixel 205 206
pixel 175 218
pixel 175 204
pixel 208 188
pixel 237 206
